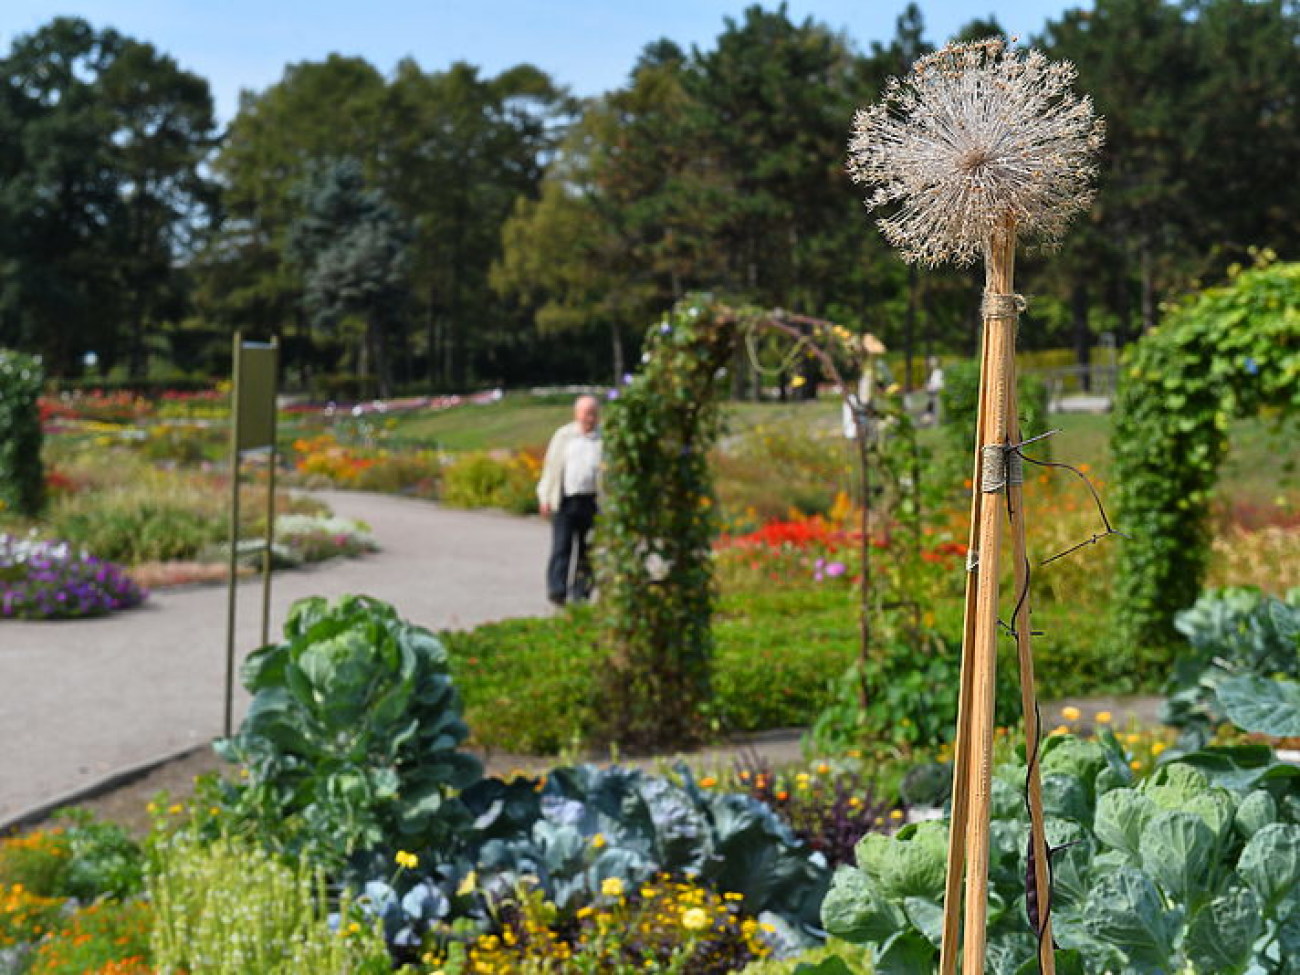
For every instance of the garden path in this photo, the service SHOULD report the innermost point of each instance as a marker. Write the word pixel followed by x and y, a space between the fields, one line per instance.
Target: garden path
pixel 83 701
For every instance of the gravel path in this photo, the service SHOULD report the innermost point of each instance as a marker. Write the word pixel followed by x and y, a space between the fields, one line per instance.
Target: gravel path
pixel 83 701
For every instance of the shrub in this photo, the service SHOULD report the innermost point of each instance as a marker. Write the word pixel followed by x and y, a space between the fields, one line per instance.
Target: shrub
pixel 479 479
pixel 350 741
pixel 22 481
pixel 314 538
pixel 52 580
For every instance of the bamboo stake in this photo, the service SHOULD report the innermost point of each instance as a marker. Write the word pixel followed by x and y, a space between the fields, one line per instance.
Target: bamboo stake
pixel 961 758
pixel 1028 700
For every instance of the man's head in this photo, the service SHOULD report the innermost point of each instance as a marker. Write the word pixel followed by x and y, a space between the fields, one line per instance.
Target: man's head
pixel 586 411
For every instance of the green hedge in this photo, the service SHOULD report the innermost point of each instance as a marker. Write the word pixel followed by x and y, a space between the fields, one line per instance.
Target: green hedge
pixel 22 478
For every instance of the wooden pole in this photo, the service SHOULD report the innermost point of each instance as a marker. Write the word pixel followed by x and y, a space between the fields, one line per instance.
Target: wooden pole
pixel 961 760
pixel 227 723
pixel 1029 702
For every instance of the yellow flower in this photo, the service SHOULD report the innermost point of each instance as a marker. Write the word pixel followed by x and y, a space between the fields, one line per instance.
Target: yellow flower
pixel 895 814
pixel 797 381
pixel 611 887
pixel 708 782
pixel 695 919
pixel 408 861
pixel 1135 765
pixel 467 884
pixel 598 841
pixel 1157 748
pixel 1102 717
pixel 1070 713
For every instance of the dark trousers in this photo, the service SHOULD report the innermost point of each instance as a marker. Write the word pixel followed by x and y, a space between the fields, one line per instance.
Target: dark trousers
pixel 570 534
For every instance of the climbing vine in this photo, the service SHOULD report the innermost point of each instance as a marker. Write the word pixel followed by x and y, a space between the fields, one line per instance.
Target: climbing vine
pixel 1226 353
pixel 657 526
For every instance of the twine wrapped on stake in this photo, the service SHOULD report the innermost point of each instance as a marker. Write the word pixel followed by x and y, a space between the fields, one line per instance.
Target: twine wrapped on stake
pixel 978 146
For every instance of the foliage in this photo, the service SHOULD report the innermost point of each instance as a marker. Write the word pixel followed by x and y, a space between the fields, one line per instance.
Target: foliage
pixel 314 538
pixel 108 937
pixel 829 809
pixel 350 741
pixel 22 477
pixel 654 569
pixel 577 831
pixel 106 144
pixel 26 916
pixel 1225 352
pixel 53 580
pixel 822 960
pixel 959 401
pixel 481 479
pixel 229 907
pixel 1236 637
pixel 352 248
pixel 1152 874
pixel 662 925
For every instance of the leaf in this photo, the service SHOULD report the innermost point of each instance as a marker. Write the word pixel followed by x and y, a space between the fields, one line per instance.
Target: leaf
pixel 1180 851
pixel 1221 936
pixel 1124 909
pixel 926 916
pixel 1261 706
pixel 827 966
pixel 1256 811
pixel 1270 863
pixel 854 910
pixel 906 953
pixel 1121 816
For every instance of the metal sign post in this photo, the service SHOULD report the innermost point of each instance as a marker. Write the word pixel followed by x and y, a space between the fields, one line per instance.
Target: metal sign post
pixel 252 427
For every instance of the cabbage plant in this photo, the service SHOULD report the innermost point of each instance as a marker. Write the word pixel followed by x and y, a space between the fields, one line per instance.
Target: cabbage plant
pixel 350 743
pixel 1193 869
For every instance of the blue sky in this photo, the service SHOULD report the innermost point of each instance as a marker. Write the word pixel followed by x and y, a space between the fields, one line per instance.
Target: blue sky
pixel 589 45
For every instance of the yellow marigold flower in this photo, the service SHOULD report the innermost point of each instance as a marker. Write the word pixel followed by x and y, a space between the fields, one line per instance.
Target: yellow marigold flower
pixel 612 887
pixel 1102 717
pixel 1061 729
pixel 598 841
pixel 1157 748
pixel 733 896
pixel 695 919
pixel 822 768
pixel 408 861
pixel 1070 713
pixel 895 814
pixel 1135 765
pixel 708 782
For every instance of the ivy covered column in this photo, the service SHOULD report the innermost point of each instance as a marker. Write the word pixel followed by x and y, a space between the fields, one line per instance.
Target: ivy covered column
pixel 656 530
pixel 1223 354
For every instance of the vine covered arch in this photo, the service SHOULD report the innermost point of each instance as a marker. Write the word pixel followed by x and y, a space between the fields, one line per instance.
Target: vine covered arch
pixel 656 531
pixel 1228 352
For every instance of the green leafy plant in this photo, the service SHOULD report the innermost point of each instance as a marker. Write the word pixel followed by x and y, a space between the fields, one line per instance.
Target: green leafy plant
pixel 350 741
pixel 480 479
pixel 1224 353
pixel 1195 867
pixel 1242 666
pixel 22 477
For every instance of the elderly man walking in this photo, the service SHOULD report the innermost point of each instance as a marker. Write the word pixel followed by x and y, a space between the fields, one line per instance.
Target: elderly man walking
pixel 567 495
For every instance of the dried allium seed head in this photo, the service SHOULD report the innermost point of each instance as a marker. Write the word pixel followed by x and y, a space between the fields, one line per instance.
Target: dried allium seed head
pixel 976 136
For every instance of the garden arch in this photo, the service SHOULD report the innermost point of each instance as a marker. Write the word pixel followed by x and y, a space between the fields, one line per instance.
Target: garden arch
pixel 1227 352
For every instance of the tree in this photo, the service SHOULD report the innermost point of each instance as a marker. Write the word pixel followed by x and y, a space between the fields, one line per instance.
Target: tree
pixel 352 247
pixel 101 189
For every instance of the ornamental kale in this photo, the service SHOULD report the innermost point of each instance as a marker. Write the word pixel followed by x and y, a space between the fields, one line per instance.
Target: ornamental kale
pixel 52 580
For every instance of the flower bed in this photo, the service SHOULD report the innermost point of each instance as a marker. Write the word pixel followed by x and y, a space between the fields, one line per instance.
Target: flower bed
pixel 52 580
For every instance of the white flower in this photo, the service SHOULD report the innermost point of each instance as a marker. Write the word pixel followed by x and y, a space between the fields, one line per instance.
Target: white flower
pixel 977 140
